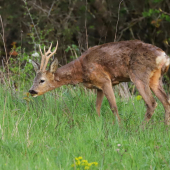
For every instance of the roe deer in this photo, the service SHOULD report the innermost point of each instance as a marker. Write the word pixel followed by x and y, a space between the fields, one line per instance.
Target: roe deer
pixel 103 66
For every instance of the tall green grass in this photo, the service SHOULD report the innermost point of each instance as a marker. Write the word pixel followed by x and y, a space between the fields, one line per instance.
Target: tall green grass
pixel 49 131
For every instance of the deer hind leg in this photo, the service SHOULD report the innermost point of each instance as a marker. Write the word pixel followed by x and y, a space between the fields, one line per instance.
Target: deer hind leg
pixel 144 90
pixel 157 88
pixel 99 100
pixel 108 91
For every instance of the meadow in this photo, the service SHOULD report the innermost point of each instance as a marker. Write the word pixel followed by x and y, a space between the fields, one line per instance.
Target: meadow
pixel 53 131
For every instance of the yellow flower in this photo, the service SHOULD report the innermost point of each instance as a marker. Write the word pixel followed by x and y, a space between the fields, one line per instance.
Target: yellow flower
pixel 95 163
pixel 78 162
pixel 90 164
pixel 76 159
pixel 84 161
pixel 72 165
pixel 138 97
pixel 86 167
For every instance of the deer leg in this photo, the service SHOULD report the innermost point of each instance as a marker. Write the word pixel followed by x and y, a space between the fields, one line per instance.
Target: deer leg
pixel 156 86
pixel 108 91
pixel 146 94
pixel 99 100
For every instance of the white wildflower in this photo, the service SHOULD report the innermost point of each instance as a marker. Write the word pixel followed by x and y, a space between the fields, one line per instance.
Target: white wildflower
pixel 35 54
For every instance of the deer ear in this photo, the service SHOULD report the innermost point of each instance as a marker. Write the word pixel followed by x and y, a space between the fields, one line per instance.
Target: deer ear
pixel 35 65
pixel 54 65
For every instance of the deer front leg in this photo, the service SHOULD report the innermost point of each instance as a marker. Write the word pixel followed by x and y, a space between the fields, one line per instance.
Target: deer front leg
pixel 108 91
pixel 99 100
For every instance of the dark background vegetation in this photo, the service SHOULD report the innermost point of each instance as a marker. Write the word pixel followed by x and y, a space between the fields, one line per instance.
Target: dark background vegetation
pixel 78 25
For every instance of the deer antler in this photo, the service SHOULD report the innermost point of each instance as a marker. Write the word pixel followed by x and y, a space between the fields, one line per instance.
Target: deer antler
pixel 46 56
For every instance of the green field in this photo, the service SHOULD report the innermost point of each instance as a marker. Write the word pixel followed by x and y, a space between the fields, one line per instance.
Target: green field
pixel 50 131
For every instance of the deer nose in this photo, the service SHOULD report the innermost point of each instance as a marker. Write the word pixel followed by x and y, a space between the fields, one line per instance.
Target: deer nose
pixel 32 92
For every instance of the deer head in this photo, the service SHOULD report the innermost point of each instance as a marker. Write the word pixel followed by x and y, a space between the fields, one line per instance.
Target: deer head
pixel 44 80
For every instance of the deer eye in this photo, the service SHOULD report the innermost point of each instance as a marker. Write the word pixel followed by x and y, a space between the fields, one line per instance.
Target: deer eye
pixel 42 81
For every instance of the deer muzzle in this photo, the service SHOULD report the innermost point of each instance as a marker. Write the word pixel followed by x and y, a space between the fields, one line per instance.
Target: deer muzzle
pixel 33 93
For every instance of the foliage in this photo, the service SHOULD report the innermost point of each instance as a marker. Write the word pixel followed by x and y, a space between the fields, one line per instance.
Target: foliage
pixel 20 68
pixel 83 23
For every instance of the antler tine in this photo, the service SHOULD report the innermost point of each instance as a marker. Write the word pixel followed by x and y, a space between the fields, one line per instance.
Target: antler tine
pixel 42 58
pixel 52 53
pixel 49 50
pixel 40 50
pixel 48 57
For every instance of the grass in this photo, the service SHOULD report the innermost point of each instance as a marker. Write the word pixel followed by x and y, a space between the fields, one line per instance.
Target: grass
pixel 49 131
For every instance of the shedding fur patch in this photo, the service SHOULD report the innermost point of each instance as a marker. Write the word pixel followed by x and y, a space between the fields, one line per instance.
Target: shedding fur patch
pixel 161 59
pixel 167 62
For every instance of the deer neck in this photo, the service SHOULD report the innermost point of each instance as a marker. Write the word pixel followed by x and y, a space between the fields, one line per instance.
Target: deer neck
pixel 70 73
